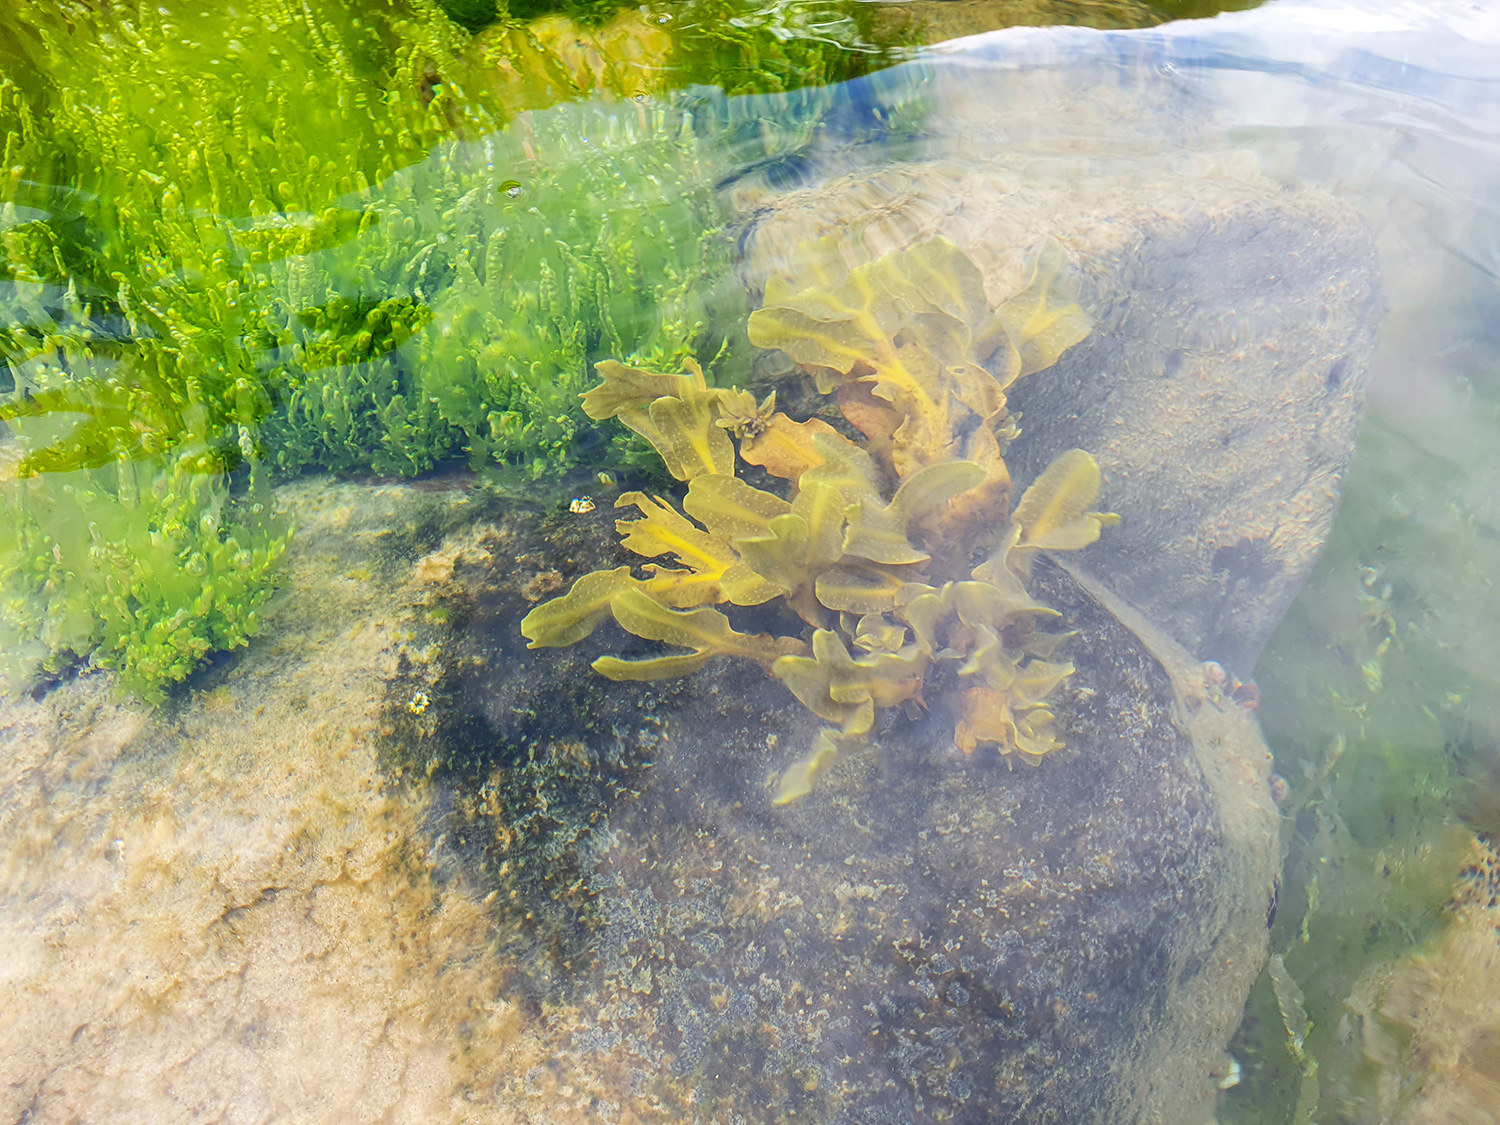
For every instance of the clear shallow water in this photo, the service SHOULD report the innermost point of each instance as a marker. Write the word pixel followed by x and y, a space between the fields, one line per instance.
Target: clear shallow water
pixel 1379 687
pixel 1377 691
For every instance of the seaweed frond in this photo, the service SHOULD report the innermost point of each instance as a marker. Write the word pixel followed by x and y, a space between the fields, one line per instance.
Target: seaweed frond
pixel 874 546
pixel 142 566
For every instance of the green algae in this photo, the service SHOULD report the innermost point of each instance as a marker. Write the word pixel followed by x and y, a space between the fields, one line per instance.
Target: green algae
pixel 306 238
pixel 156 162
pixel 160 162
pixel 168 216
pixel 148 565
pixel 472 15
pixel 1380 706
pixel 505 294
pixel 155 158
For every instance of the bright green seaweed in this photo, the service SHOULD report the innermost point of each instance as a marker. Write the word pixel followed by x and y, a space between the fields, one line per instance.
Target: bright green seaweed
pixel 148 565
pixel 156 160
pixel 497 297
pixel 304 236
pixel 217 234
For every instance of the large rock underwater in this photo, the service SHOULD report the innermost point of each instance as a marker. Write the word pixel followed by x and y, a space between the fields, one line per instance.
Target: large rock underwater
pixel 386 863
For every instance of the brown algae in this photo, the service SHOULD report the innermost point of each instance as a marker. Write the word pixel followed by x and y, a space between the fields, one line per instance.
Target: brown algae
pixel 876 548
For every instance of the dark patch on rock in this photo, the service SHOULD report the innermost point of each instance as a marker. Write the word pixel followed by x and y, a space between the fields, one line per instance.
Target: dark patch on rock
pixel 937 938
pixel 529 749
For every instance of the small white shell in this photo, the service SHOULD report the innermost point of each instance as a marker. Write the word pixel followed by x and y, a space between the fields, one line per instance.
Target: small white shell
pixel 1231 1076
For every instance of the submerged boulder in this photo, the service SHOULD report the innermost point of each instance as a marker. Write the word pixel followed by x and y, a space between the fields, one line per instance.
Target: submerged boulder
pixel 928 935
pixel 521 892
pixel 1221 386
pixel 933 936
pixel 551 897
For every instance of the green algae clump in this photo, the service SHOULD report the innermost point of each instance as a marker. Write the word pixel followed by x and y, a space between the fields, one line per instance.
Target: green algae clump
pixel 144 566
pixel 900 552
pixel 353 239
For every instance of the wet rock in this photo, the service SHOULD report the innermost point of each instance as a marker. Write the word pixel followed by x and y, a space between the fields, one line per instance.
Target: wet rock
pixel 1221 387
pixel 1221 393
pixel 509 890
pixel 593 912
pixel 928 936
pixel 226 908
pixel 1431 1020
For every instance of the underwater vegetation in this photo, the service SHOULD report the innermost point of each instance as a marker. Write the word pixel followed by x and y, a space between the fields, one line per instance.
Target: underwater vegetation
pixel 466 315
pixel 348 238
pixel 156 157
pixel 902 546
pixel 171 189
pixel 148 565
pixel 738 46
pixel 1380 705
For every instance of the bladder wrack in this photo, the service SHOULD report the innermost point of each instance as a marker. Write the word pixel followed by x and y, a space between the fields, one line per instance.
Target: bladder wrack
pixel 874 545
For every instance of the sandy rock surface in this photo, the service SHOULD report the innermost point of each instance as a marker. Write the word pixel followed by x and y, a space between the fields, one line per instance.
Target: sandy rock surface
pixel 226 911
pixel 1431 1021
pixel 237 908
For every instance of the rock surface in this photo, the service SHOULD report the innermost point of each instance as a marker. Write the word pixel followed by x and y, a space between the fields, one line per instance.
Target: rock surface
pixel 1432 1019
pixel 927 937
pixel 591 912
pixel 508 890
pixel 226 910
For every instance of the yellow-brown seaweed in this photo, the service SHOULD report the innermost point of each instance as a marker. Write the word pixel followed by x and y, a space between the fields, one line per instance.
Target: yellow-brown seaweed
pixel 873 549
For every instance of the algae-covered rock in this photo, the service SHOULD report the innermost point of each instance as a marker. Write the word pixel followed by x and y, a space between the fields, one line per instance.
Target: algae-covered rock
pixel 593 903
pixel 933 936
pixel 930 936
pixel 1234 317
pixel 1430 1021
pixel 581 902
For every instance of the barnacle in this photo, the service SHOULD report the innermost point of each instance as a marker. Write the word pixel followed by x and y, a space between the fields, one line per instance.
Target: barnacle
pixel 743 417
pixel 874 547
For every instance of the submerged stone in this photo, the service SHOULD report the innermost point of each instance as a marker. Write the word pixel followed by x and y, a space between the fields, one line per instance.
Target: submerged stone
pixel 563 896
pixel 225 907
pixel 930 935
pixel 507 889
pixel 1221 387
